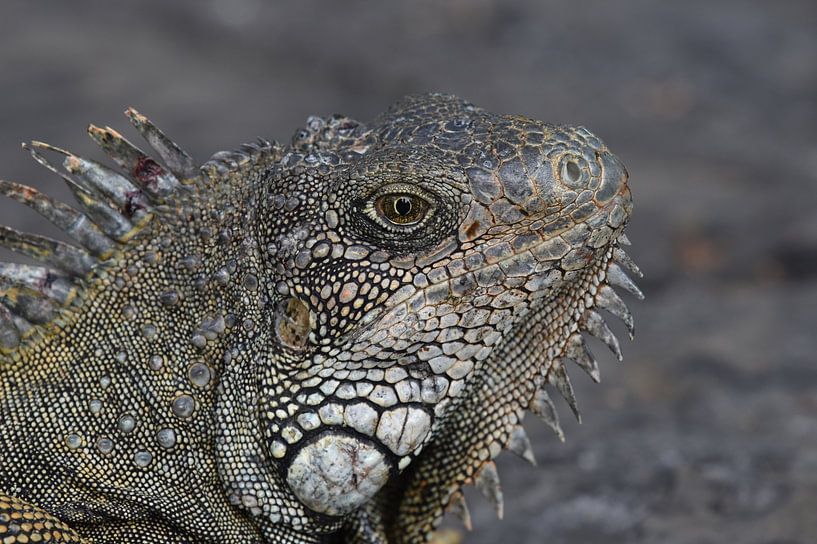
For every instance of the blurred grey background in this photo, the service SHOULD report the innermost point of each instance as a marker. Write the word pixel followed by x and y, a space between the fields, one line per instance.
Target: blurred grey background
pixel 707 433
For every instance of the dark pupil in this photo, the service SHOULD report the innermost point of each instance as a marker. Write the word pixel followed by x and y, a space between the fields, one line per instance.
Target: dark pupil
pixel 402 206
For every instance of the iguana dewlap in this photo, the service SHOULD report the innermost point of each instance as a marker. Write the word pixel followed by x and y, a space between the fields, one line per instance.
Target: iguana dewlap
pixel 314 342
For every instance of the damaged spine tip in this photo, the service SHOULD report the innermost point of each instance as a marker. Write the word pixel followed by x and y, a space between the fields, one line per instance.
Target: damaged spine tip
pixel 178 161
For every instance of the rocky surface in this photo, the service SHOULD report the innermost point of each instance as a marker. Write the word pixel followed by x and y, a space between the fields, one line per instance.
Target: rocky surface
pixel 707 433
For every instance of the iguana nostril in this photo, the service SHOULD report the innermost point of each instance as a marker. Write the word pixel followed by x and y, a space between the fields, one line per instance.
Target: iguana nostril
pixel 292 323
pixel 614 177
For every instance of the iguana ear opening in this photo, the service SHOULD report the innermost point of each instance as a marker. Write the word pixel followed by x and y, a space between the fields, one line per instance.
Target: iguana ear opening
pixel 293 323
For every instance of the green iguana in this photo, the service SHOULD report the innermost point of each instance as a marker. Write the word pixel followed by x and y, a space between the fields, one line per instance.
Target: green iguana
pixel 315 342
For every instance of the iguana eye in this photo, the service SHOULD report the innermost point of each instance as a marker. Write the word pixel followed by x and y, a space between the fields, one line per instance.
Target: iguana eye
pixel 402 208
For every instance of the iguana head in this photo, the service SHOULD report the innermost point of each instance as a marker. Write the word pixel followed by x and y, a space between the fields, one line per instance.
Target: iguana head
pixel 443 242
pixel 340 332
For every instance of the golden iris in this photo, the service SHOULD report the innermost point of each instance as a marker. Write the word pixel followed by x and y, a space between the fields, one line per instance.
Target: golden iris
pixel 402 208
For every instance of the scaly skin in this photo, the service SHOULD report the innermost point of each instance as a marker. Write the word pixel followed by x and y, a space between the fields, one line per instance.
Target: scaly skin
pixel 318 342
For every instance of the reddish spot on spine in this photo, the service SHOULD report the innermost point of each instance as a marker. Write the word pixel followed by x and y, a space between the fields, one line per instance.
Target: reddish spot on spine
pixel 148 172
pixel 133 203
pixel 46 282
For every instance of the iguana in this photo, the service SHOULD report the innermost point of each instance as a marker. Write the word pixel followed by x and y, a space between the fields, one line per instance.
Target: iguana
pixel 322 341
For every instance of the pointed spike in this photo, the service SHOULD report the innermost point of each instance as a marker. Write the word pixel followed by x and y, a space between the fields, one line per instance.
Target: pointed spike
pixel 29 305
pixel 623 259
pixel 557 376
pixel 63 216
pixel 101 213
pixel 104 216
pixel 69 259
pixel 617 278
pixel 257 150
pixel 22 325
pixel 32 150
pixel 623 240
pixel 152 178
pixel 42 280
pixel 487 481
pixel 608 299
pixel 519 443
pixel 268 148
pixel 9 334
pixel 240 158
pixel 542 407
pixel 177 160
pixel 225 161
pixel 99 179
pixel 595 325
pixel 577 351
pixel 250 148
pixel 42 145
pixel 459 508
